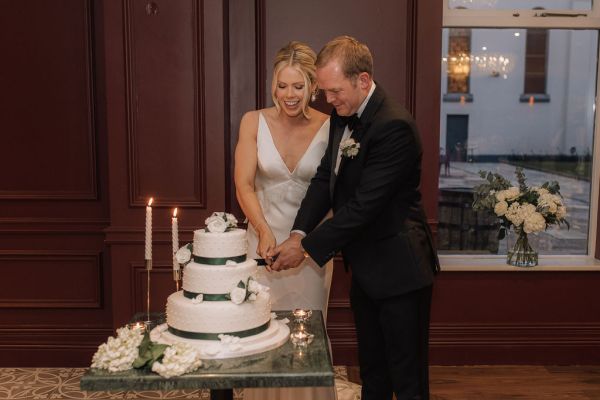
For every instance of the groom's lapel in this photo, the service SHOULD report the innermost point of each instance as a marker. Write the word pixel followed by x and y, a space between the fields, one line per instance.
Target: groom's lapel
pixel 335 148
pixel 365 121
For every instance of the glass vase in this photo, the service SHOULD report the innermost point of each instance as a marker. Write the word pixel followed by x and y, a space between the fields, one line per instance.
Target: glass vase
pixel 522 254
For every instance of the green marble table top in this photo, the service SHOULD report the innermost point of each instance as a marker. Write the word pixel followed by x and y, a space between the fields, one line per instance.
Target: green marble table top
pixel 286 366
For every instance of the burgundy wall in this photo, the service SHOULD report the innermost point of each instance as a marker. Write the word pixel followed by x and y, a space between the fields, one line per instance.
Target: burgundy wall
pixel 106 103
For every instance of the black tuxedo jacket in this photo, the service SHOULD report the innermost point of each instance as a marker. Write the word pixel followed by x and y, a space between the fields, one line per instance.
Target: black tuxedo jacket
pixel 378 222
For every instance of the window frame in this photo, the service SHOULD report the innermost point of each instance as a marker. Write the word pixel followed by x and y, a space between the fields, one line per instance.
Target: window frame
pixel 526 18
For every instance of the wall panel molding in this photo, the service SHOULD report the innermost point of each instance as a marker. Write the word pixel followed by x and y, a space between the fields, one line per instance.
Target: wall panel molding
pixel 63 279
pixel 53 131
pixel 161 121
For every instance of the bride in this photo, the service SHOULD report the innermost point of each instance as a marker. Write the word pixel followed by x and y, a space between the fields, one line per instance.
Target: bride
pixel 277 154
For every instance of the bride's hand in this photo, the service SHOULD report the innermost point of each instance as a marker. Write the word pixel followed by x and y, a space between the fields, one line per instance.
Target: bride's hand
pixel 266 243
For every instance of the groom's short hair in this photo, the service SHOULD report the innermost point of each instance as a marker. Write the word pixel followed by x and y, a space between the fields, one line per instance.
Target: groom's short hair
pixel 354 56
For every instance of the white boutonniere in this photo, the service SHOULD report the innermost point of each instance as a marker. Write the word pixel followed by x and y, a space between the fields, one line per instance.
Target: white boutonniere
pixel 349 148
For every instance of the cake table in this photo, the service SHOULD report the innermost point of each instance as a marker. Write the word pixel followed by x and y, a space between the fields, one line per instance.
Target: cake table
pixel 285 366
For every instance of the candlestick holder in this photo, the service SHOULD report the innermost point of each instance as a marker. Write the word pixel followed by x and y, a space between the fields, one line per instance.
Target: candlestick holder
pixel 148 269
pixel 177 278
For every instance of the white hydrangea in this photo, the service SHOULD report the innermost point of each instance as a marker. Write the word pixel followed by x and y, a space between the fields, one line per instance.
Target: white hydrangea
pixel 534 222
pixel 561 212
pixel 500 208
pixel 179 359
pixel 513 214
pixel 118 354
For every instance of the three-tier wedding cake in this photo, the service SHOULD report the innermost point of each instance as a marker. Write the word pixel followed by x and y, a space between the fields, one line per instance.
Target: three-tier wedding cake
pixel 222 310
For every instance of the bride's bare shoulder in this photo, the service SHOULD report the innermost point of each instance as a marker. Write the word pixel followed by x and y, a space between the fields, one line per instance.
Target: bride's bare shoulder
pixel 319 117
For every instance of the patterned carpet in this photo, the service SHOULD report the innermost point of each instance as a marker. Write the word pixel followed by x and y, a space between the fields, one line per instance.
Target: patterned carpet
pixel 63 383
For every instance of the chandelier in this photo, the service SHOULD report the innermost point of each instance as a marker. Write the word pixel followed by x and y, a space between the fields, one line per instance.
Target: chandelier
pixel 492 64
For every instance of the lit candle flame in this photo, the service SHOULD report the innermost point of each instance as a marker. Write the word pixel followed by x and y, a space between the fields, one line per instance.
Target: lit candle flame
pixel 150 201
pixel 175 212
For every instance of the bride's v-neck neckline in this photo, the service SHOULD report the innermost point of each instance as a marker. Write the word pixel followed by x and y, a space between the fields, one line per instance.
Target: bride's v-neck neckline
pixel 270 134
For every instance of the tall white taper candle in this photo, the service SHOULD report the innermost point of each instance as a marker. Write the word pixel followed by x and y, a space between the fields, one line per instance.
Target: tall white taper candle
pixel 148 247
pixel 175 234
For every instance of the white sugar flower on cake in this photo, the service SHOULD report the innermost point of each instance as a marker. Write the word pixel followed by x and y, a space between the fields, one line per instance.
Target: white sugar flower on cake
pixel 238 295
pixel 198 299
pixel 220 222
pixel 184 254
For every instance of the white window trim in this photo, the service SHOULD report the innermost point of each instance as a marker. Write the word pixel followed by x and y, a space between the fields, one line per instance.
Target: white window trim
pixel 464 18
pixel 520 18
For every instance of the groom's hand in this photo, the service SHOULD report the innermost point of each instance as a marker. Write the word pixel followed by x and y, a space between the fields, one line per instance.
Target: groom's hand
pixel 290 253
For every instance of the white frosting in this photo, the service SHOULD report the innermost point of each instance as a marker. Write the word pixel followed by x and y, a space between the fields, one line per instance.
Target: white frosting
pixel 216 279
pixel 220 245
pixel 217 316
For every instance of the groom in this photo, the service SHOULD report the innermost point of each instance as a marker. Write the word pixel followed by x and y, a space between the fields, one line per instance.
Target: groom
pixel 370 176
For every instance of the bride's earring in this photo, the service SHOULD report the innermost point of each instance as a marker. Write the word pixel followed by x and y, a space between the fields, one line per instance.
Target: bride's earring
pixel 313 97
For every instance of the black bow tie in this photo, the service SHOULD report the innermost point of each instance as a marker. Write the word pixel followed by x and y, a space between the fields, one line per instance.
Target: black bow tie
pixel 352 121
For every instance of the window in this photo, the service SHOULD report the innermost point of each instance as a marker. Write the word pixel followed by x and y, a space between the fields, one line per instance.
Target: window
pixel 535 61
pixel 516 61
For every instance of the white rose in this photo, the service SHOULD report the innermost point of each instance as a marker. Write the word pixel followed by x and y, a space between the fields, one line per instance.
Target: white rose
pixel 231 220
pixel 252 297
pixel 512 193
pixel 501 195
pixel 500 208
pixel 254 286
pixel 217 226
pixel 238 295
pixel 183 255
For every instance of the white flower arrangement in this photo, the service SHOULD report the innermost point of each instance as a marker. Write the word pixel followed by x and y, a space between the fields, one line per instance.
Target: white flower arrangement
pixel 220 222
pixel 531 209
pixel 349 148
pixel 132 349
pixel 178 359
pixel 118 354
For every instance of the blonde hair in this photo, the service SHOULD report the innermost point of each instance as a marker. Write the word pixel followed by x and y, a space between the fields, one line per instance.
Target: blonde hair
pixel 301 57
pixel 354 56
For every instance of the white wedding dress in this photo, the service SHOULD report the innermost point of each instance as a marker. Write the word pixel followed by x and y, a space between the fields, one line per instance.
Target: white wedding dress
pixel 280 192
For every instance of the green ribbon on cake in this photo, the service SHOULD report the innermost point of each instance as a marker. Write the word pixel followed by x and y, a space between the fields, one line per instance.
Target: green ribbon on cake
pixel 215 336
pixel 218 260
pixel 207 297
